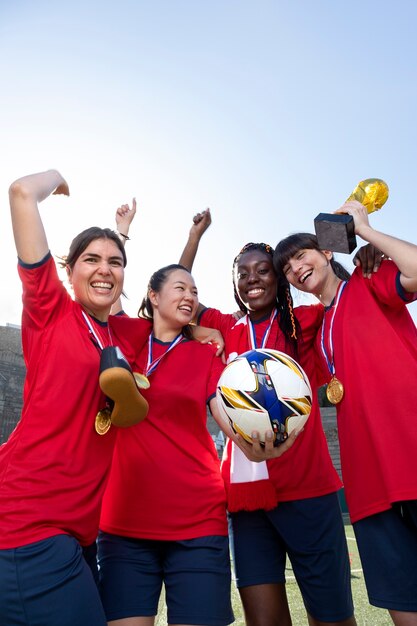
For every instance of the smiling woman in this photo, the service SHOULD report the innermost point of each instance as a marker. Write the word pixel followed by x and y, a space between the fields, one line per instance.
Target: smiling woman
pixel 163 518
pixel 367 346
pixel 96 274
pixel 54 466
pixel 288 504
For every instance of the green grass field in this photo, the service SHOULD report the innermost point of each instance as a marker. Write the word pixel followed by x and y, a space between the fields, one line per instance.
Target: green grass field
pixel 366 615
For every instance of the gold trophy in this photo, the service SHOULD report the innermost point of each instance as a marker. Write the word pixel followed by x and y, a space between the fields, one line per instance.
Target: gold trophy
pixel 336 231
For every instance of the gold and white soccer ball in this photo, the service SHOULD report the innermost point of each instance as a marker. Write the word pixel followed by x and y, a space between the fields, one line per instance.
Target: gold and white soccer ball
pixel 262 390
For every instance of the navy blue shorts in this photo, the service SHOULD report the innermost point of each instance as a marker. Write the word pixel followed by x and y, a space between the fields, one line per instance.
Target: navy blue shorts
pixel 387 544
pixel 48 583
pixel 311 532
pixel 196 574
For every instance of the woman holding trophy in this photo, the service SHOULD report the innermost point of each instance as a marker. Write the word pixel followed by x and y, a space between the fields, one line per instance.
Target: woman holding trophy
pixel 368 346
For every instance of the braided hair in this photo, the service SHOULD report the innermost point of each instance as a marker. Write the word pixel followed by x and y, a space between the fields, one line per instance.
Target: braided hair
pixel 286 318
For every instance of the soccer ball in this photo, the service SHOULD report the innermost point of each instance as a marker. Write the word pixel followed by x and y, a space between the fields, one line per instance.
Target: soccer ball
pixel 264 390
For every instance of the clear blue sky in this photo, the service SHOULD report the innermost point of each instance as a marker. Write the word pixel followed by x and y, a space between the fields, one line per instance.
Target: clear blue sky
pixel 268 112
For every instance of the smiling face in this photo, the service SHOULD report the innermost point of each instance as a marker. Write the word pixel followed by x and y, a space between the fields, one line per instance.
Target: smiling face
pixel 255 282
pixel 175 304
pixel 97 277
pixel 309 270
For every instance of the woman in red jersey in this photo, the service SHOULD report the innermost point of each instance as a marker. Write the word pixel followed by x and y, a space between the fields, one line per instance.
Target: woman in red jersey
pixel 287 505
pixel 54 466
pixel 163 519
pixel 368 343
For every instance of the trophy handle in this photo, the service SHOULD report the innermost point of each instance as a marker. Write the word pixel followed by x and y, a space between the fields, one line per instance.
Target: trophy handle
pixel 372 193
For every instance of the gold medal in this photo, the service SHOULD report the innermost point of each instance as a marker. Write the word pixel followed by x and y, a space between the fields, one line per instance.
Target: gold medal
pixel 103 421
pixel 335 391
pixel 141 381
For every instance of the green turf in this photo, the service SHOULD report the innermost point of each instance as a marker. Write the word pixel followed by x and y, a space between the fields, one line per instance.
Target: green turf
pixel 366 615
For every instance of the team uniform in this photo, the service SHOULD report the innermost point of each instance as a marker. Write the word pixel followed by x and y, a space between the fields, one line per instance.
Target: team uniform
pixel 164 510
pixel 375 358
pixel 54 466
pixel 287 505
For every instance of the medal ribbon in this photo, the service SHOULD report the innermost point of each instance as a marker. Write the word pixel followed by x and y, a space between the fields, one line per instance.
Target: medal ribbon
pixel 103 418
pixel 93 332
pixel 152 365
pixel 329 357
pixel 252 334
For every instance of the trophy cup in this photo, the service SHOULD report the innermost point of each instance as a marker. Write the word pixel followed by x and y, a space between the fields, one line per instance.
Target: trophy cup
pixel 336 231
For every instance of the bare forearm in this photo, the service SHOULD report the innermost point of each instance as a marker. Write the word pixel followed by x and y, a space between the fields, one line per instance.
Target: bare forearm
pixel 403 253
pixel 25 193
pixel 36 186
pixel 189 253
pixel 201 222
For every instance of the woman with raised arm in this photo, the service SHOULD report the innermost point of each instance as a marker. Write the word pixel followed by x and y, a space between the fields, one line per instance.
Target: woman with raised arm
pixel 54 467
pixel 287 505
pixel 368 343
pixel 164 516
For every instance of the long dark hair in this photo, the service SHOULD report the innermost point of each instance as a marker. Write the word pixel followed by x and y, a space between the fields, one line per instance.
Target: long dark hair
pixel 292 244
pixel 156 282
pixel 286 318
pixel 83 240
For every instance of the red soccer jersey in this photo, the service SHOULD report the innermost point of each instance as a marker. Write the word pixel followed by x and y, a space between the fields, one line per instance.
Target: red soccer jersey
pixel 375 357
pixel 54 466
pixel 306 470
pixel 165 482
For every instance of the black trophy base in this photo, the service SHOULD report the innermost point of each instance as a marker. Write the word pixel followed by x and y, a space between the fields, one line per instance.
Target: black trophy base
pixel 335 232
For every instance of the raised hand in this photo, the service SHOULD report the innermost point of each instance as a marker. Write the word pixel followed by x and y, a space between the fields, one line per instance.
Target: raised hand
pixel 124 217
pixel 62 189
pixel 201 221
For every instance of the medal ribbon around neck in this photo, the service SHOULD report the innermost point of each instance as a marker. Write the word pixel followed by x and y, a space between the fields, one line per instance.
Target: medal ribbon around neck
pixel 103 418
pixel 252 334
pixel 93 332
pixel 152 365
pixel 330 357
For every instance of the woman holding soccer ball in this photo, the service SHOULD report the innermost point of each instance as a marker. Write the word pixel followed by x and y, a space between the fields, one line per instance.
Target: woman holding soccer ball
pixel 368 343
pixel 288 505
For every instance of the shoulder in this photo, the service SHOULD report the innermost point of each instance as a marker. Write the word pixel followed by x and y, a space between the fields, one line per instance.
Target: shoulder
pixel 194 346
pixel 309 315
pixel 216 319
pixel 44 294
pixel 384 285
pixel 130 333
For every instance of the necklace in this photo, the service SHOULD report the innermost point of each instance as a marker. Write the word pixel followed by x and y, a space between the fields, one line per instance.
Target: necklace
pixel 335 390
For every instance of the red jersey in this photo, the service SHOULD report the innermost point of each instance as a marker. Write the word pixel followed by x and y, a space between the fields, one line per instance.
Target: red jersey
pixel 306 470
pixel 375 358
pixel 165 482
pixel 54 466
